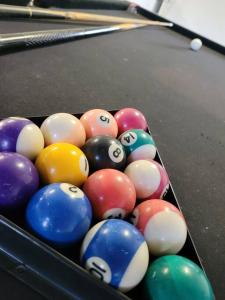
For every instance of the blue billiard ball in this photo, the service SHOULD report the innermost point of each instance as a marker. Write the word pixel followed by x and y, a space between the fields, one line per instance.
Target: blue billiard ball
pixel 60 213
pixel 116 253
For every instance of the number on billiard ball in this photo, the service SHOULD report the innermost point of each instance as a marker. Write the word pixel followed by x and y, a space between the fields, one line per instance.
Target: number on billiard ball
pixel 104 152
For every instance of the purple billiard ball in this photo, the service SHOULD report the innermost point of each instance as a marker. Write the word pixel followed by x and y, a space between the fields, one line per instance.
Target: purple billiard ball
pixel 18 180
pixel 22 136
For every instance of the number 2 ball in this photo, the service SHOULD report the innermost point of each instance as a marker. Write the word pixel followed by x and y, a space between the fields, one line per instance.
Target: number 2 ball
pixel 115 252
pixel 104 152
pixel 130 118
pixel 138 144
pixel 111 192
pixel 59 213
pixel 99 122
pixel 62 162
pixel 149 178
pixel 162 225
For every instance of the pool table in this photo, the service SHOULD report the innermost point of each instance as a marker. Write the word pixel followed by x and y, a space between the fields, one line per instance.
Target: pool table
pixel 181 92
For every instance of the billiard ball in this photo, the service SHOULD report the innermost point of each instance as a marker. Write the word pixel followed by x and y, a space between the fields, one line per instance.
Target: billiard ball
pixel 176 277
pixel 62 162
pixel 138 144
pixel 63 127
pixel 104 152
pixel 149 178
pixel 22 136
pixel 111 192
pixel 99 122
pixel 60 213
pixel 115 252
pixel 130 118
pixel 196 44
pixel 18 180
pixel 162 225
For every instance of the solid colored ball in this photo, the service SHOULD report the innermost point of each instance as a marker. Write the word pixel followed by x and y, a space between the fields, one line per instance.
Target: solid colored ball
pixel 111 192
pixel 130 118
pixel 175 277
pixel 65 128
pixel 138 144
pixel 104 152
pixel 149 178
pixel 62 162
pixel 115 252
pixel 59 213
pixel 196 44
pixel 162 225
pixel 22 136
pixel 18 180
pixel 99 122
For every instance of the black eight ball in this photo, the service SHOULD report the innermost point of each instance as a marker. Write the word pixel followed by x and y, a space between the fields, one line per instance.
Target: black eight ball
pixel 104 152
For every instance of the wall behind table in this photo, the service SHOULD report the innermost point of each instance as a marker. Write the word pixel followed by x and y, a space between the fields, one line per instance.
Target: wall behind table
pixel 205 17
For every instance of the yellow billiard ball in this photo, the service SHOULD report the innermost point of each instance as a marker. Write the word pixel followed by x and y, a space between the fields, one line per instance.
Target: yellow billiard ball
pixel 62 162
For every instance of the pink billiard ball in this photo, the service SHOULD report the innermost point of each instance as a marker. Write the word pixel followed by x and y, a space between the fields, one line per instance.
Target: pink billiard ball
pixel 111 193
pixel 99 122
pixel 149 178
pixel 162 225
pixel 130 118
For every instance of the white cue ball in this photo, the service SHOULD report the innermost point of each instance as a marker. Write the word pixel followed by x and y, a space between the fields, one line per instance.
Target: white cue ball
pixel 196 44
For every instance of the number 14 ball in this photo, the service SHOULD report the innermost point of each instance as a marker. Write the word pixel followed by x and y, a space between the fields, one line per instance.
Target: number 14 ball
pixel 138 144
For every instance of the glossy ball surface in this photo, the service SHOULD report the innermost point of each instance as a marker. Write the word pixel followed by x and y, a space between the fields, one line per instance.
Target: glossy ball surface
pixel 99 122
pixel 63 128
pixel 59 213
pixel 149 178
pixel 111 192
pixel 18 180
pixel 22 136
pixel 104 152
pixel 196 44
pixel 175 277
pixel 115 252
pixel 62 162
pixel 138 144
pixel 130 118
pixel 162 225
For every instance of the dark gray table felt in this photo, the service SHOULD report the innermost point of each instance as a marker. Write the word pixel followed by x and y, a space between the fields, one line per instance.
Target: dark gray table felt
pixel 182 94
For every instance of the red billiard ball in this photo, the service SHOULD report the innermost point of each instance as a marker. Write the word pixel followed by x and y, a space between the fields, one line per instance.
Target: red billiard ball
pixel 130 118
pixel 162 225
pixel 149 178
pixel 111 193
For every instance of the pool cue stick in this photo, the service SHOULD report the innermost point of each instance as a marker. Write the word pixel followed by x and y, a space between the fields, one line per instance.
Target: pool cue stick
pixel 27 40
pixel 33 12
pixel 82 4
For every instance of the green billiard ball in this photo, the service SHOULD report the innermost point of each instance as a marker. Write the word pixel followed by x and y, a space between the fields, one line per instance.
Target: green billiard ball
pixel 173 277
pixel 138 144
